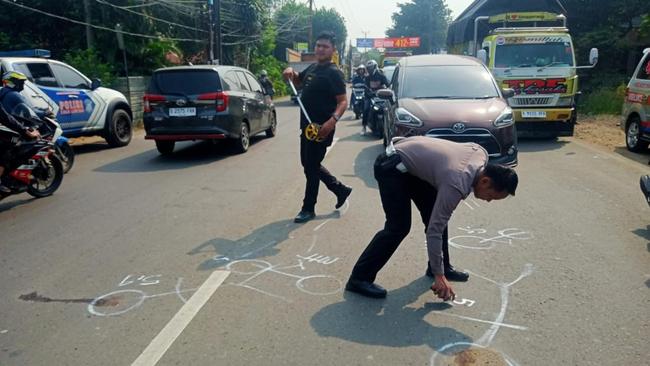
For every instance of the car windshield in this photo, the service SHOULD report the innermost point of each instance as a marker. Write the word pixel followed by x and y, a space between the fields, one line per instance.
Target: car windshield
pixel 448 82
pixel 559 54
pixel 185 82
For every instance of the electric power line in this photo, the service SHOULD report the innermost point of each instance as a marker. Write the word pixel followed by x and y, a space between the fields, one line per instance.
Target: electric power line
pixel 149 16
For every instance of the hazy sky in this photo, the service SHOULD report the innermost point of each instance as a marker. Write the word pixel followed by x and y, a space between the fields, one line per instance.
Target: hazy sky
pixel 374 16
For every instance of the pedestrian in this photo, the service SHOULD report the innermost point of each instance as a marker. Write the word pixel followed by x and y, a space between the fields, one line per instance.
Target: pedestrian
pixel 267 84
pixel 436 175
pixel 324 99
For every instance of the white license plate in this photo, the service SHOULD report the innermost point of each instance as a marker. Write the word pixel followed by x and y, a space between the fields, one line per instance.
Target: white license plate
pixel 182 112
pixel 533 114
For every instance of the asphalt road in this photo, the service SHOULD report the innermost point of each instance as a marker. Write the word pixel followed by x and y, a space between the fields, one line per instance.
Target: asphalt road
pixel 127 263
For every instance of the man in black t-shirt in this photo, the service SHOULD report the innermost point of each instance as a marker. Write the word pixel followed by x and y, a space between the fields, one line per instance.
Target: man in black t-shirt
pixel 324 98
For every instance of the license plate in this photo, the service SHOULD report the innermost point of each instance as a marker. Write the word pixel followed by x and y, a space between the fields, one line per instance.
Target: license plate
pixel 533 114
pixel 182 112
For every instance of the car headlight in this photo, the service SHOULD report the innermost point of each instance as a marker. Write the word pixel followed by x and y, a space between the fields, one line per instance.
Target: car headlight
pixel 565 102
pixel 505 119
pixel 404 117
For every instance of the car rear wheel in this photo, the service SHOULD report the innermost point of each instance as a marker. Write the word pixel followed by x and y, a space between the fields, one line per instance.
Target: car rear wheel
pixel 273 126
pixel 633 136
pixel 242 143
pixel 165 147
pixel 120 129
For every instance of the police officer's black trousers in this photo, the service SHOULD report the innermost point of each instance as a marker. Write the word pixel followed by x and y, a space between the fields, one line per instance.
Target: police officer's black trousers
pixel 397 190
pixel 311 155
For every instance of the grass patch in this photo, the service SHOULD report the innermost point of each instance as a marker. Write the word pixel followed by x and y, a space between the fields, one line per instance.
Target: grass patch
pixel 603 101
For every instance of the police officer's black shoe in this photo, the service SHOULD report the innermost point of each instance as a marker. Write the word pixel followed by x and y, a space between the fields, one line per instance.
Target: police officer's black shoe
pixel 304 216
pixel 451 274
pixel 366 288
pixel 342 195
pixel 4 189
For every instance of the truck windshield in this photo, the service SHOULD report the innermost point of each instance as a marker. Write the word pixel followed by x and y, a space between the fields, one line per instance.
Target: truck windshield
pixel 558 54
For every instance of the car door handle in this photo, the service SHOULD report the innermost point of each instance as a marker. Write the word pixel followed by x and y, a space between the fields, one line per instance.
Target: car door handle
pixel 73 96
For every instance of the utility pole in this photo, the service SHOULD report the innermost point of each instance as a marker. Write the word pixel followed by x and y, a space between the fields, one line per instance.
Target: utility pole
pixel 311 23
pixel 89 32
pixel 217 15
pixel 211 29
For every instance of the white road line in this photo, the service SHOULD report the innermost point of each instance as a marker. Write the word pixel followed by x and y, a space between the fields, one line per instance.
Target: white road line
pixel 468 205
pixel 336 139
pixel 161 343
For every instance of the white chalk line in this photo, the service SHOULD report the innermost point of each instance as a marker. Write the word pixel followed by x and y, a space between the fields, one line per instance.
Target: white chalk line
pixel 468 205
pixel 512 326
pixel 161 343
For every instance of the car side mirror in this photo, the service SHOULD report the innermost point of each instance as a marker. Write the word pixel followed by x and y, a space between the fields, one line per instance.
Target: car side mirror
pixel 386 94
pixel 593 56
pixel 482 55
pixel 95 84
pixel 508 93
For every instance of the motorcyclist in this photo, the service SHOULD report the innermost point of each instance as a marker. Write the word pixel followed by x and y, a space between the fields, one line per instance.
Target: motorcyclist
pixel 266 84
pixel 375 80
pixel 8 121
pixel 13 82
pixel 358 78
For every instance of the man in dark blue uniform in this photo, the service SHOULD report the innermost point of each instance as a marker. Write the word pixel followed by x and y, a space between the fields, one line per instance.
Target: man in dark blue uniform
pixel 324 98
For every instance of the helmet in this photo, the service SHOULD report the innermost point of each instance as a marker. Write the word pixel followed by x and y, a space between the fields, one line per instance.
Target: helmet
pixel 14 79
pixel 371 66
pixel 264 73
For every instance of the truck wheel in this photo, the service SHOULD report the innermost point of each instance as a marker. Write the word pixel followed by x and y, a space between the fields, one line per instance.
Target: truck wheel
pixel 120 129
pixel 633 135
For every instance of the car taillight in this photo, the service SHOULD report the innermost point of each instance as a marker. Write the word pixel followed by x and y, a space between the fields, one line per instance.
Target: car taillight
pixel 221 99
pixel 148 98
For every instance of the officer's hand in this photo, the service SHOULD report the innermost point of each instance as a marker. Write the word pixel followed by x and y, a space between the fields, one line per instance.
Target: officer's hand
pixel 443 289
pixel 288 73
pixel 326 129
pixel 34 134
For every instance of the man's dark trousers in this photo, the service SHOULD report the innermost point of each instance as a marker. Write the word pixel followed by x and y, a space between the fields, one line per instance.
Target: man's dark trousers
pixel 311 155
pixel 397 190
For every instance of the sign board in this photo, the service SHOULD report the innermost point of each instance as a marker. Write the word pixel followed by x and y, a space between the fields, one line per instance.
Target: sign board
pixel 365 42
pixel 301 46
pixel 403 42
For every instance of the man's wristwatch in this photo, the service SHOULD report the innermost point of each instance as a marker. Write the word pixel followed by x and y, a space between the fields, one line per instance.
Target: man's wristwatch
pixel 336 118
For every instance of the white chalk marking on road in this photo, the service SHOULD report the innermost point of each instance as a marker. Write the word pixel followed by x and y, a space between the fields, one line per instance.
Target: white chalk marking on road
pixel 518 327
pixel 321 225
pixel 468 205
pixel 178 290
pixel 4 331
pixel 258 249
pixel 313 244
pixel 161 343
pixel 336 139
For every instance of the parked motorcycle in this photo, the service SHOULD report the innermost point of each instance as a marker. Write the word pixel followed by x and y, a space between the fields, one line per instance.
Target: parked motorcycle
pixel 358 95
pixel 34 166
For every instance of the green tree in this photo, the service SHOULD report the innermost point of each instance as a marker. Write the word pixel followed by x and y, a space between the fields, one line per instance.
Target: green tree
pixel 330 20
pixel 292 25
pixel 427 19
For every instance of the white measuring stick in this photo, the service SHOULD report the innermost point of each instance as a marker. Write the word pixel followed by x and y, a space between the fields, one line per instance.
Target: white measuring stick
pixel 302 107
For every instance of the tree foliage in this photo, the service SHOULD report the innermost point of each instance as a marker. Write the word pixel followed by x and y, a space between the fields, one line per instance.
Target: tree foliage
pixel 331 20
pixel 427 19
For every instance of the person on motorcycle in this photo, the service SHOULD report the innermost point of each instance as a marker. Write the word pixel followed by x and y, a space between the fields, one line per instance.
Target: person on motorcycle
pixel 11 123
pixel 375 80
pixel 13 82
pixel 359 78
pixel 266 84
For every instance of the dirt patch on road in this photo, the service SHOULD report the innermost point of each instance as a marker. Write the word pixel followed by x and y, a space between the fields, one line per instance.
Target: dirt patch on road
pixel 475 356
pixel 605 132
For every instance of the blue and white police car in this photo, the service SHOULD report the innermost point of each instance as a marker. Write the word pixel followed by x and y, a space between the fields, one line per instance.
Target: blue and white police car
pixel 82 106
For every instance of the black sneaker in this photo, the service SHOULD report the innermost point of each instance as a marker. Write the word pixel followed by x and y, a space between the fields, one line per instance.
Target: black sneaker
pixel 304 216
pixel 342 196
pixel 366 288
pixel 451 274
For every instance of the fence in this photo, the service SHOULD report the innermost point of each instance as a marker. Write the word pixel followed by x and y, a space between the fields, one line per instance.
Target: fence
pixel 138 85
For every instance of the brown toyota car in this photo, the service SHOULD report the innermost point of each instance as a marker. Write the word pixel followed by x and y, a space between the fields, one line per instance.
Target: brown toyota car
pixel 454 98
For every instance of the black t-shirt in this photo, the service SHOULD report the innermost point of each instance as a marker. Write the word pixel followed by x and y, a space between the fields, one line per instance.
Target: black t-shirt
pixel 320 86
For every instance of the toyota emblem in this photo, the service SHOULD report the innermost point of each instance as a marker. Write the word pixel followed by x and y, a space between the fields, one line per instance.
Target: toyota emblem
pixel 181 102
pixel 459 127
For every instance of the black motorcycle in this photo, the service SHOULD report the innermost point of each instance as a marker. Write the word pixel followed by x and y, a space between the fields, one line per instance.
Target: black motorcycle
pixel 376 117
pixel 34 166
pixel 358 97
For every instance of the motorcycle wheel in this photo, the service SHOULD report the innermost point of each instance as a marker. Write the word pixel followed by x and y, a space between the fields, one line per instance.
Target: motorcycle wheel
pixel 65 153
pixel 48 176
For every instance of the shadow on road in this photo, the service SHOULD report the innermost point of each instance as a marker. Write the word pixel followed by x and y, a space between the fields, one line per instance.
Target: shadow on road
pixel 364 161
pixel 388 322
pixel 260 243
pixel 538 145
pixel 186 155
pixel 8 205
pixel 643 158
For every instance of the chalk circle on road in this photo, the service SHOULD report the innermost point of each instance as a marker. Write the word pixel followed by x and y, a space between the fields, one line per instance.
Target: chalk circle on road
pixel 460 353
pixel 248 266
pixel 505 237
pixel 116 302
pixel 328 285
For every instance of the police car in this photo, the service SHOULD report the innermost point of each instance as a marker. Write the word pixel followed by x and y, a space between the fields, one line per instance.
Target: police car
pixel 82 107
pixel 636 109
